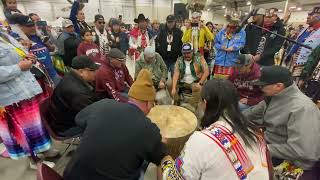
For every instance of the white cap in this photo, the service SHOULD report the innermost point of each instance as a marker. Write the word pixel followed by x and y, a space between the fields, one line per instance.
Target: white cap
pixel 196 14
pixel 149 52
pixel 66 23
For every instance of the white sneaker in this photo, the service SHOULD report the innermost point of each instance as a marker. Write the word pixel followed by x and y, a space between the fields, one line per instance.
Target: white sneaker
pixel 48 163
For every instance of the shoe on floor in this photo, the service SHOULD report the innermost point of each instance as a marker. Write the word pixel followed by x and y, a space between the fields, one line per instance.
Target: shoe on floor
pixel 48 163
pixel 51 153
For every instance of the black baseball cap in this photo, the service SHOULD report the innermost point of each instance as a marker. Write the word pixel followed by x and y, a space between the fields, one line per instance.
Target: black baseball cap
pixel 187 48
pixel 244 59
pixel 84 62
pixel 98 17
pixel 22 20
pixel 171 18
pixel 274 74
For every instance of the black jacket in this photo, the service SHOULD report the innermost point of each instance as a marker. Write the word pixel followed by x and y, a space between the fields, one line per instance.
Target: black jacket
pixel 176 45
pixel 117 138
pixel 70 96
pixel 273 43
pixel 70 48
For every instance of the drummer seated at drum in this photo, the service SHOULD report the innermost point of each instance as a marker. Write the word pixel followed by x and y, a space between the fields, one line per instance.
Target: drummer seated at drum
pixel 153 61
pixel 113 79
pixel 191 72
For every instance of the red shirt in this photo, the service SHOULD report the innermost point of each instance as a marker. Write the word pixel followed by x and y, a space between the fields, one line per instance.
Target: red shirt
pixel 91 50
pixel 111 82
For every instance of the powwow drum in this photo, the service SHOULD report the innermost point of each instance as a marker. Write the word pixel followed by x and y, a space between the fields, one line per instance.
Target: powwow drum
pixel 176 124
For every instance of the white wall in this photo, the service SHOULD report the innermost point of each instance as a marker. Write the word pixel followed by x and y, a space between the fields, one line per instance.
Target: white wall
pixel 154 9
pixel 51 9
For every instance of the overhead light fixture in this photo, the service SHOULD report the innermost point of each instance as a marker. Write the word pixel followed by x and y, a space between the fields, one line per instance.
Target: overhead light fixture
pixel 248 3
pixel 223 7
pixel 246 13
pixel 280 10
pixel 299 9
pixel 208 9
pixel 293 7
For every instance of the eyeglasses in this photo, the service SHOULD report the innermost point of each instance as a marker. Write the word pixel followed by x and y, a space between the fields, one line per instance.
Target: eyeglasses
pixel 101 22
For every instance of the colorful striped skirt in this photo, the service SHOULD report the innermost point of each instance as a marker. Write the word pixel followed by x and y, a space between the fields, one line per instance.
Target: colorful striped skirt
pixel 222 72
pixel 21 129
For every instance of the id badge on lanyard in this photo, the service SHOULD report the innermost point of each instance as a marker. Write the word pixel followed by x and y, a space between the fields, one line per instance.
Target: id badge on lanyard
pixel 169 40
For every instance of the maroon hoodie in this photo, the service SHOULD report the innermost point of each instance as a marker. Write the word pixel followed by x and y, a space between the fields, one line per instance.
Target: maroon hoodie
pixel 111 81
pixel 90 49
pixel 245 87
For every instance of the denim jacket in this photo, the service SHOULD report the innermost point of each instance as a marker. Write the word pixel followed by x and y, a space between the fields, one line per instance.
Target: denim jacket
pixel 15 85
pixel 237 42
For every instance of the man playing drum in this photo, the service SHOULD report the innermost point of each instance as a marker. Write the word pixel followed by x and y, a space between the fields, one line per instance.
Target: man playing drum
pixel 191 71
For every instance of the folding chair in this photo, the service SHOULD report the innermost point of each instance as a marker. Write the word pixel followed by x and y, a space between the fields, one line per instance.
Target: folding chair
pixel 44 112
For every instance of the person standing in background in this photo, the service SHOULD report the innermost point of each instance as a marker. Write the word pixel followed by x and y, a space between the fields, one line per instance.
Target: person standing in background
pixel 20 124
pixel 156 27
pixel 310 77
pixel 37 46
pixel 118 39
pixel 68 31
pixel 209 51
pixel 101 35
pixel 260 43
pixel 141 37
pixel 310 36
pixel 10 8
pixel 77 17
pixel 198 34
pixel 228 43
pixel 186 25
pixel 170 43
pixel 88 48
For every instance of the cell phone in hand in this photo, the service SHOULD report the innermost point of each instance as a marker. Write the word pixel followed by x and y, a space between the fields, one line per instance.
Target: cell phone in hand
pixel 194 24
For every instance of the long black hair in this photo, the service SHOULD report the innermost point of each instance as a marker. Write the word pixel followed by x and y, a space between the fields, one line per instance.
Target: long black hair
pixel 223 102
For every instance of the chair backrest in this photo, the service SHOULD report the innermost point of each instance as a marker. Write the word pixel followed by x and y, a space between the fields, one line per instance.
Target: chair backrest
pixel 45 114
pixel 44 172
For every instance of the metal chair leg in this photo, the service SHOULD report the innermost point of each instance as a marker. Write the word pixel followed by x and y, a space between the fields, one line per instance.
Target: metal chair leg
pixel 71 143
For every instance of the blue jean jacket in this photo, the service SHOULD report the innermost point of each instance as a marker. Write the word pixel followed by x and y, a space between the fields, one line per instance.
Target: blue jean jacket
pixel 15 85
pixel 237 42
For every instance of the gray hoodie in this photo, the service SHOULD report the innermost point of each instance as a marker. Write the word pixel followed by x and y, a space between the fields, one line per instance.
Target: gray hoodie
pixel 294 132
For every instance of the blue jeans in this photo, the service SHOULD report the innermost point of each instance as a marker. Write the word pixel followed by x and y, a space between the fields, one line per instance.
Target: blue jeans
pixel 243 107
pixel 170 67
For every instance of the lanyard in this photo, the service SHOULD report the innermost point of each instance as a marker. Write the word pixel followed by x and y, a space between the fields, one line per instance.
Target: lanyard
pixel 169 38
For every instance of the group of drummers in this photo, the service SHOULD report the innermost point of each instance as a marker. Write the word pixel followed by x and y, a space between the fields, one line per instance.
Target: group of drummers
pixel 207 129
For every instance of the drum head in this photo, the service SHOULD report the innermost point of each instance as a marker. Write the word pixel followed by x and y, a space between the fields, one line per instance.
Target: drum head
pixel 173 121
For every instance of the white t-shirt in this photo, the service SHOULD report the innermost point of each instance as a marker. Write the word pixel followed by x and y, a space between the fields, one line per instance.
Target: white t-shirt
pixel 203 159
pixel 188 78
